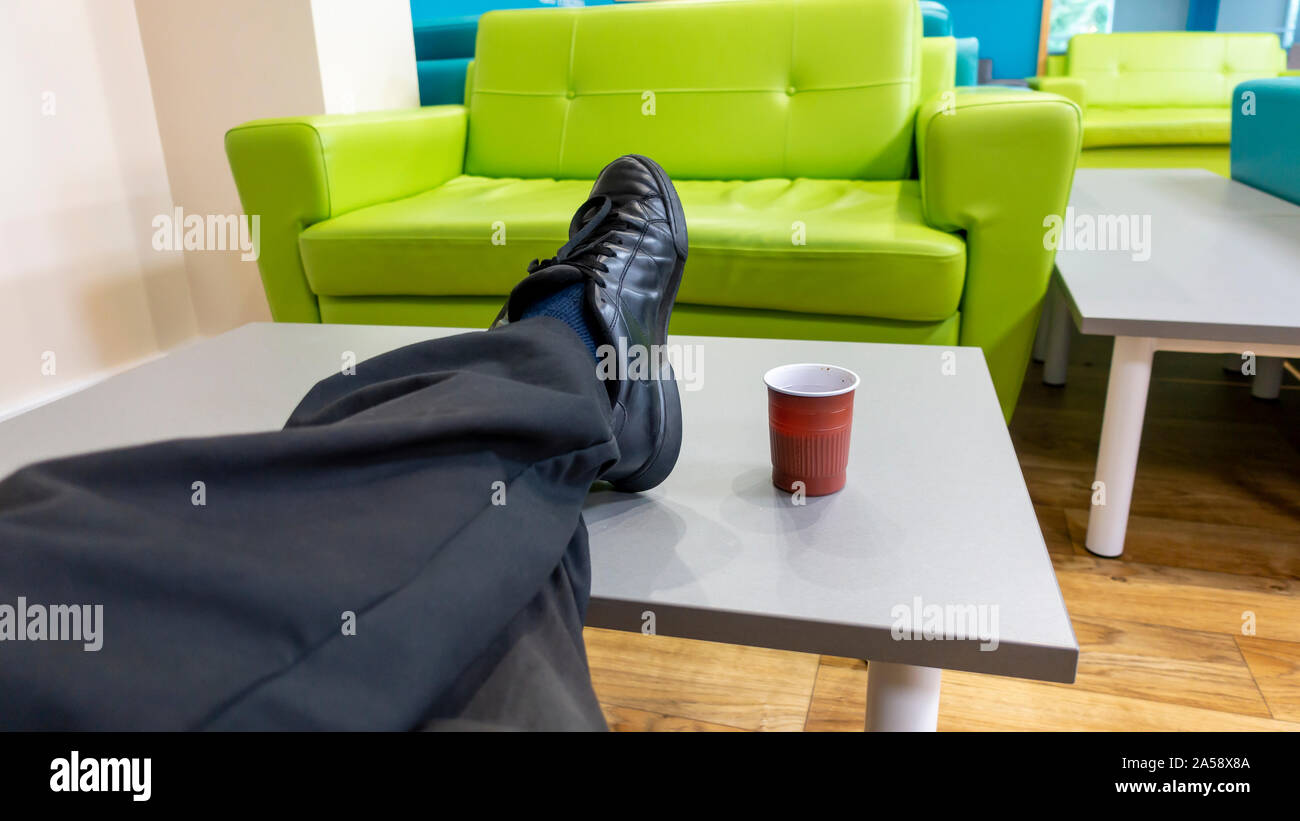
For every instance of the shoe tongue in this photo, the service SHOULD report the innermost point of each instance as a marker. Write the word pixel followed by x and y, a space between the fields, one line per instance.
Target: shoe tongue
pixel 595 320
pixel 540 285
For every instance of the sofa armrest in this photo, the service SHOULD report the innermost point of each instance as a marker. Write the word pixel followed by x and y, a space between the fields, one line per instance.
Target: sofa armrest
pixel 296 171
pixel 996 166
pixel 938 65
pixel 1072 88
pixel 1056 65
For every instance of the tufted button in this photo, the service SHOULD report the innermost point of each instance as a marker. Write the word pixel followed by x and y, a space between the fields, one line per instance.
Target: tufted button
pixel 789 92
pixel 570 94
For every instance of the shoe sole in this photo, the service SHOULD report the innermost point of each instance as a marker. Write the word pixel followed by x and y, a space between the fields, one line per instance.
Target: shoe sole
pixel 669 444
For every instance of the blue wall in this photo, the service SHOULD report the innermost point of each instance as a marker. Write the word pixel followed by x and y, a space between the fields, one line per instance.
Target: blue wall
pixel 444 40
pixel 1203 15
pixel 1008 31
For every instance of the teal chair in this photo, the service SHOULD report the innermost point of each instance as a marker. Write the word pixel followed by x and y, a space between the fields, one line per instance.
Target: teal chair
pixel 1266 136
pixel 1263 149
pixel 936 21
pixel 443 49
pixel 445 31
pixel 968 61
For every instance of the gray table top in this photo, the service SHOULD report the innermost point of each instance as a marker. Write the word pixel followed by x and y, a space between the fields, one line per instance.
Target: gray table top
pixel 935 520
pixel 1224 259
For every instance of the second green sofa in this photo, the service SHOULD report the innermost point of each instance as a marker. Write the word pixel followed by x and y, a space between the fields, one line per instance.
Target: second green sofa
pixel 830 192
pixel 1159 99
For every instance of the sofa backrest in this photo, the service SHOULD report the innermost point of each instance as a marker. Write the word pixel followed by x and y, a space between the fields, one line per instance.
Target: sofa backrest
pixel 1170 69
pixel 739 89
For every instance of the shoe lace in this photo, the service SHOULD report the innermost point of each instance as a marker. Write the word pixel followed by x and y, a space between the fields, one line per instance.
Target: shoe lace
pixel 596 238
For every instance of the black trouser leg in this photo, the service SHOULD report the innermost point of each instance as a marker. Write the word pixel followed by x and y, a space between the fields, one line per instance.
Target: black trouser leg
pixel 377 506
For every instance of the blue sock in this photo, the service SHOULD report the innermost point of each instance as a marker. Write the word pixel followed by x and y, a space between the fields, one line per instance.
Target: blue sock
pixel 566 306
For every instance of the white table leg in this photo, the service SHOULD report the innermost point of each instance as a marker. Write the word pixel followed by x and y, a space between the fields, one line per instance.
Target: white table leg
pixel 1267 383
pixel 1044 326
pixel 902 698
pixel 1058 340
pixel 1121 435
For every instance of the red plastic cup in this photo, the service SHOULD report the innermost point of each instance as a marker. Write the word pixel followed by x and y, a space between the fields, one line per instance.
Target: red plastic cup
pixel 810 418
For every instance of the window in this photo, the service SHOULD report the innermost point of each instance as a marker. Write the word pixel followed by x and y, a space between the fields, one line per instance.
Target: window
pixel 1071 17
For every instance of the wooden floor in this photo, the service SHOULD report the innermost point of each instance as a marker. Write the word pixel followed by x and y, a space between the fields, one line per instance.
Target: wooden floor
pixel 1196 627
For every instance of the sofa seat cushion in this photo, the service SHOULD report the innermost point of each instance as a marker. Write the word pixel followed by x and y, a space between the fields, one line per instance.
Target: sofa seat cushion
pixel 808 246
pixel 1156 126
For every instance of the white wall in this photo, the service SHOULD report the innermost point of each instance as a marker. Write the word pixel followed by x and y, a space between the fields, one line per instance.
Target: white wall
pixel 216 65
pixel 82 178
pixel 366 53
pixel 213 65
pixel 115 113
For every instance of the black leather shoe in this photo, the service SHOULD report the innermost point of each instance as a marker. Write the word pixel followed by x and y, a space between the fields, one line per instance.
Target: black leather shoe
pixel 628 244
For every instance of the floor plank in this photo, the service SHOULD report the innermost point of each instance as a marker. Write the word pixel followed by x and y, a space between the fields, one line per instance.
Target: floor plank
pixel 1165 664
pixel 969 701
pixel 1145 598
pixel 631 720
pixel 751 688
pixel 839 699
pixel 1220 548
pixel 1276 667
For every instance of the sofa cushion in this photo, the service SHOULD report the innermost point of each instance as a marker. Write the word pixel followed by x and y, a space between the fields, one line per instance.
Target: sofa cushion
pixel 1156 126
pixel 811 246
pixel 723 90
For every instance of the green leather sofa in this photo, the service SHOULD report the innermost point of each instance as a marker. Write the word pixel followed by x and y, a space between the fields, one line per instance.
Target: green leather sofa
pixel 833 190
pixel 1159 99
